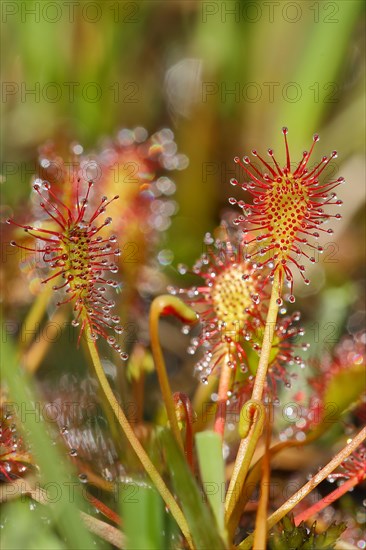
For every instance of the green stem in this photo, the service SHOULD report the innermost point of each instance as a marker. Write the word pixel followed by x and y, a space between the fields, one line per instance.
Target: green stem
pixel 260 532
pixel 249 442
pixel 135 443
pixel 309 486
pixel 255 473
pixel 260 377
pixel 250 428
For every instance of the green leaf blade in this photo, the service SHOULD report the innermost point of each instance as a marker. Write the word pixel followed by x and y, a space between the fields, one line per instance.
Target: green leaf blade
pixel 199 516
pixel 212 470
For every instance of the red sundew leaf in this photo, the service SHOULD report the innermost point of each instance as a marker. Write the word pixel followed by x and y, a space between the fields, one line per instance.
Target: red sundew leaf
pixel 77 255
pixel 287 208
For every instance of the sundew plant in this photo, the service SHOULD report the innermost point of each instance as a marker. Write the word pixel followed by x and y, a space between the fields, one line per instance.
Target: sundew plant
pixel 104 453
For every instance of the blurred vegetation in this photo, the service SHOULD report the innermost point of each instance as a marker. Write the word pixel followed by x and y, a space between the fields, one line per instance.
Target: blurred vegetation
pixel 225 76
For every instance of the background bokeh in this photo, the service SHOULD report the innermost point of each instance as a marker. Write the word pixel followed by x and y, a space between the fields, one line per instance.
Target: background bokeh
pixel 225 76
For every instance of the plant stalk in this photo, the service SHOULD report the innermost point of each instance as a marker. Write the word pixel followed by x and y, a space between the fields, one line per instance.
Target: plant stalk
pixel 260 532
pixel 224 385
pixel 182 398
pixel 135 443
pixel 251 430
pixel 260 377
pixel 249 442
pixel 328 500
pixel 155 311
pixel 309 486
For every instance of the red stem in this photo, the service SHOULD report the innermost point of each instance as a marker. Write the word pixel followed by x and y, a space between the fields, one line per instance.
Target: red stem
pixel 224 385
pixel 327 500
pixel 104 509
pixel 188 411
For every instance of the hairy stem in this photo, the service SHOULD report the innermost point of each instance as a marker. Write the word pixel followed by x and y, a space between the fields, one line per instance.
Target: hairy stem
pixel 103 508
pixel 260 533
pixel 252 417
pixel 249 442
pixel 135 443
pixel 309 486
pixel 260 377
pixel 328 500
pixel 104 530
pixel 255 473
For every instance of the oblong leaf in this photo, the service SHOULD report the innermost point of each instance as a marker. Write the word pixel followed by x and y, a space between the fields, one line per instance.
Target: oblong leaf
pixel 198 514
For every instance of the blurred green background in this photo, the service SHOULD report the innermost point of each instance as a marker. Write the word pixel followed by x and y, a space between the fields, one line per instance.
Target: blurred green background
pixel 225 76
